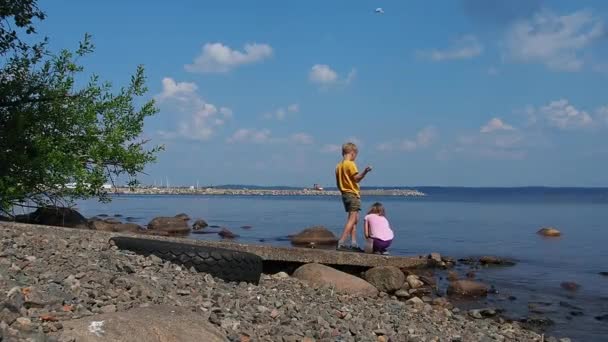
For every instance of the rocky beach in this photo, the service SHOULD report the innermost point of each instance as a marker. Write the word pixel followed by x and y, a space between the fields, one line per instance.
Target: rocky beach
pixel 61 284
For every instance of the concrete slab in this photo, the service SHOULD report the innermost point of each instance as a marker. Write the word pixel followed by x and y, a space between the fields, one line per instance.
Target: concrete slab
pixel 266 252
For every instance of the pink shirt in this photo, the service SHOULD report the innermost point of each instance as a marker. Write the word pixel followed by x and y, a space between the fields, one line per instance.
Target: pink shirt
pixel 379 227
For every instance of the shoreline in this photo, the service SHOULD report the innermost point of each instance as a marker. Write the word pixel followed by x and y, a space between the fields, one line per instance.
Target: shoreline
pixel 260 192
pixel 55 269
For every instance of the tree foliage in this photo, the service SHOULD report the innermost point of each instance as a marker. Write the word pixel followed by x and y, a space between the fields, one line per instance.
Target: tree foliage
pixel 54 132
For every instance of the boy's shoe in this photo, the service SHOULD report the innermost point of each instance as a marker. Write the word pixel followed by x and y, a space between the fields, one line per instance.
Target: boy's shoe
pixel 356 248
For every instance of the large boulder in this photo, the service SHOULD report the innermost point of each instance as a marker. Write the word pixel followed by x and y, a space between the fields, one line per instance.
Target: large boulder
pixel 169 225
pixel 385 278
pixel 321 275
pixel 467 288
pixel 314 235
pixel 104 225
pixel 55 216
pixel 154 323
pixel 549 232
pixel 199 224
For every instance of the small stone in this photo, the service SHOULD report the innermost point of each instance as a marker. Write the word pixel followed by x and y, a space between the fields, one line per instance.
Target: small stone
pixel 570 286
pixel 274 313
pixel 108 308
pixel 475 314
pixel 24 321
pixel 414 281
pixel 414 301
pixel 183 292
pixel 280 275
pixel 30 258
pixel 402 294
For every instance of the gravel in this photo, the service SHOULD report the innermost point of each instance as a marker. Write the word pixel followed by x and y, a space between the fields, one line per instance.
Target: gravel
pixel 48 276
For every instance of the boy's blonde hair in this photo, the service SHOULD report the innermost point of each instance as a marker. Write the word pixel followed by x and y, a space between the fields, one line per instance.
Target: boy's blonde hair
pixel 348 148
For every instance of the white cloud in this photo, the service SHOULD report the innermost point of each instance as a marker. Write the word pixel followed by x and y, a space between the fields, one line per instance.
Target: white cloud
pixel 218 58
pixel 553 40
pixel 602 114
pixel 501 144
pixel 561 114
pixel 324 75
pixel 254 136
pixel 201 118
pixel 495 124
pixel 281 113
pixel 424 138
pixel 466 47
pixel 302 138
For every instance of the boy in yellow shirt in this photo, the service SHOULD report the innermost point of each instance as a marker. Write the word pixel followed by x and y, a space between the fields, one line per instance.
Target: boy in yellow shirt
pixel 347 181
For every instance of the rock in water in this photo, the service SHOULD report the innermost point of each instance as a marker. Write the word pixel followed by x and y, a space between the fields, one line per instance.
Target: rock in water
pixel 154 323
pixel 199 224
pixel 493 260
pixel 317 235
pixel 227 234
pixel 385 278
pixel 183 216
pixel 467 288
pixel 321 275
pixel 452 276
pixel 55 216
pixel 549 231
pixel 605 274
pixel 570 286
pixel 169 225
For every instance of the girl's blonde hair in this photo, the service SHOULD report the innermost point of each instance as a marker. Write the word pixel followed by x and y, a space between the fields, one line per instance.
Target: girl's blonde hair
pixel 376 208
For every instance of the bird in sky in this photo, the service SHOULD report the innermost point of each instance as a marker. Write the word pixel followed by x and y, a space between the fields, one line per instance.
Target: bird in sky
pixel 379 10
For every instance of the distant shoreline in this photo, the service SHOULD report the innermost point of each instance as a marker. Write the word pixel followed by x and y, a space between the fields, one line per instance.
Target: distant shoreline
pixel 262 192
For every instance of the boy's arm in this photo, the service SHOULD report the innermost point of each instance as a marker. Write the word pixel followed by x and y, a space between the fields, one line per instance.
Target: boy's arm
pixel 359 176
pixel 366 230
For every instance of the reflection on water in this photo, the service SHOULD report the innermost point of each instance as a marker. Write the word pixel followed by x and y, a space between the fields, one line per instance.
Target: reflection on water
pixel 451 224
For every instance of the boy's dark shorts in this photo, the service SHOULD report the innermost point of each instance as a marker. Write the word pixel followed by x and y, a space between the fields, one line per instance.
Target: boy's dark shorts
pixel 352 203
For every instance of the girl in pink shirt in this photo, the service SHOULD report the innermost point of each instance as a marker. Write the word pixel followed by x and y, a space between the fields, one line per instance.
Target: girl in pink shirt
pixel 378 230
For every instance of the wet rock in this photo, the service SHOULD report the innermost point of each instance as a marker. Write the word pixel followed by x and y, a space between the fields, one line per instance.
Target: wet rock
pixel 603 318
pixel 467 288
pixel 385 278
pixel 428 280
pixel 112 220
pixel 414 282
pixel 470 275
pixel 154 323
pixel 605 274
pixel 549 232
pixel 199 224
pixel 493 260
pixel 436 258
pixel 55 216
pixel 225 233
pixel 452 276
pixel 321 275
pixel 169 225
pixel 570 286
pixel 318 235
pixel 246 227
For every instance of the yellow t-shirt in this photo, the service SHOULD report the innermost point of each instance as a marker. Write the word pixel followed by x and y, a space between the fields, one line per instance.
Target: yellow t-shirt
pixel 345 177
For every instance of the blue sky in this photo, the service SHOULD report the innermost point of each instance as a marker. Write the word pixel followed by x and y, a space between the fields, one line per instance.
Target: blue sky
pixel 464 92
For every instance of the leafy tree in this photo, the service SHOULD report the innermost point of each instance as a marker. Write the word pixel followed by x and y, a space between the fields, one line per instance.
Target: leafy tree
pixel 53 132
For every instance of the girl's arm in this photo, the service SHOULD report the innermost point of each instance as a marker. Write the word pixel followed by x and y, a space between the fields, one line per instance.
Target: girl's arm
pixel 366 230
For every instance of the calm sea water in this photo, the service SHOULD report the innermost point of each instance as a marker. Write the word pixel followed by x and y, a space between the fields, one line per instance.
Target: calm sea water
pixel 457 222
